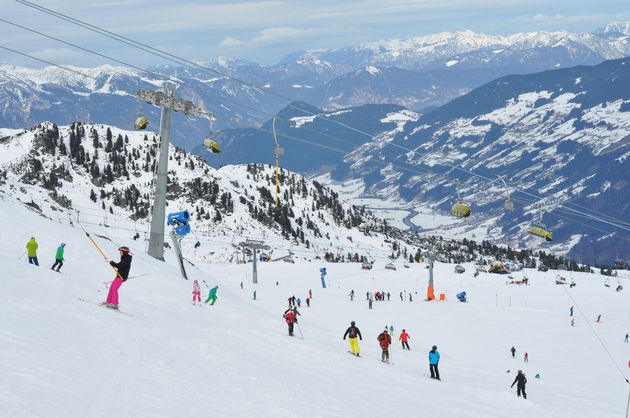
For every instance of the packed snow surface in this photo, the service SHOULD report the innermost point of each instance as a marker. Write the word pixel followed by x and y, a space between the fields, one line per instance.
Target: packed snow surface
pixel 62 357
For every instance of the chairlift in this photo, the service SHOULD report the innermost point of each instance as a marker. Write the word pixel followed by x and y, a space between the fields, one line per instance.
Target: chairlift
pixel 278 151
pixel 538 228
pixel 460 209
pixel 141 122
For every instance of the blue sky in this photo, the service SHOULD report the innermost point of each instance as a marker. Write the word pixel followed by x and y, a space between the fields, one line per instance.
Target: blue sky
pixel 264 31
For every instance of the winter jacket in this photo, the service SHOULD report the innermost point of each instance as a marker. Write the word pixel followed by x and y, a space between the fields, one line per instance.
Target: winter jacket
pixel 196 287
pixel 32 247
pixel 213 292
pixel 352 332
pixel 384 339
pixel 520 380
pixel 404 337
pixel 434 357
pixel 123 266
pixel 59 255
pixel 289 317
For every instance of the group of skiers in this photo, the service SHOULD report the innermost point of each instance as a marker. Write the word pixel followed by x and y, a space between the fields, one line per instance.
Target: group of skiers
pixel 31 250
pixel 212 294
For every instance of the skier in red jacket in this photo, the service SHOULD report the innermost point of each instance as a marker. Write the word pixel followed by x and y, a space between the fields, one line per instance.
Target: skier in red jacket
pixel 385 341
pixel 290 316
pixel 403 338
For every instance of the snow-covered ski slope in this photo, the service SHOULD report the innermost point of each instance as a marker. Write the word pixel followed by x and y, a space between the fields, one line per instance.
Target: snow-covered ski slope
pixel 61 357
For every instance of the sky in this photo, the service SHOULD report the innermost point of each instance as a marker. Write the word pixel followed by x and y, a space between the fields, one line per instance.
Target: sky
pixel 265 31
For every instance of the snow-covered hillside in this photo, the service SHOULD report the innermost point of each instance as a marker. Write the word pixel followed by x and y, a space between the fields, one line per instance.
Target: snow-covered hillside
pixel 167 358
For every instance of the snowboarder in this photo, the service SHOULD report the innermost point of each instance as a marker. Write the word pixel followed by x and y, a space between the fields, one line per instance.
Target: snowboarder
pixel 571 311
pixel 196 292
pixel 351 295
pixel 353 332
pixel 299 302
pixel 290 316
pixel 403 338
pixel 526 358
pixel 599 318
pixel 626 340
pixel 385 341
pixel 434 359
pixel 308 302
pixel 520 381
pixel 513 350
pixel 59 257
pixel 32 247
pixel 122 267
pixel 212 295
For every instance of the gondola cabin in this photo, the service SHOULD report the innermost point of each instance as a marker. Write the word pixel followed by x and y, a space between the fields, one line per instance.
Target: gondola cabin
pixel 141 123
pixel 540 230
pixel 460 210
pixel 212 146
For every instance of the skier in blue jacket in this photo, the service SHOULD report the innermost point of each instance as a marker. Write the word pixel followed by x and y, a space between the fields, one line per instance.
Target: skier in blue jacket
pixel 434 359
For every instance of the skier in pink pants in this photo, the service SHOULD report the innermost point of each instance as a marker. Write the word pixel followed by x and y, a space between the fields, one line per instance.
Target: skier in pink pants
pixel 122 267
pixel 196 292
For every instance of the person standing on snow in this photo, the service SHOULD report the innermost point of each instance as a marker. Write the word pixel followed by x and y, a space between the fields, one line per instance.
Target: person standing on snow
pixel 370 303
pixel 513 350
pixel 352 333
pixel 599 318
pixel 291 318
pixel 310 293
pixel 401 296
pixel 351 295
pixel 212 295
pixel 388 295
pixel 385 341
pixel 299 302
pixel 520 381
pixel 403 338
pixel 571 310
pixel 122 267
pixel 59 257
pixel 626 338
pixel 308 302
pixel 572 322
pixel 32 247
pixel 434 360
pixel 196 292
pixel 526 358
pixel 391 330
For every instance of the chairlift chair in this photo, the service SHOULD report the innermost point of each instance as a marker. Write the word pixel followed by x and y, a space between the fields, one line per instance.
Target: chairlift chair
pixel 460 209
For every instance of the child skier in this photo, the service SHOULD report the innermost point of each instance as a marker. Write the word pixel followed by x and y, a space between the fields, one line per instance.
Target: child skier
pixel 385 341
pixel 196 292
pixel 122 267
pixel 32 247
pixel 520 381
pixel 59 257
pixel 212 295
pixel 403 338
pixel 353 332
pixel 434 359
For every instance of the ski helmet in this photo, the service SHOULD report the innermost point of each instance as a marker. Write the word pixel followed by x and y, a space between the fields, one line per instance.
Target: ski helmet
pixel 63 244
pixel 123 249
pixel 435 347
pixel 352 323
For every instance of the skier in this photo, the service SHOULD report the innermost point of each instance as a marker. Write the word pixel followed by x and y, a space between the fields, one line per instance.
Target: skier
pixel 351 295
pixel 571 311
pixel 291 318
pixel 403 338
pixel 573 322
pixel 410 298
pixel 391 330
pixel 310 293
pixel 212 295
pixel 513 350
pixel 401 296
pixel 59 257
pixel 626 340
pixel 299 302
pixel 520 381
pixel 370 303
pixel 241 284
pixel 197 245
pixel 367 295
pixel 353 332
pixel 434 359
pixel 122 267
pixel 32 247
pixel 599 318
pixel 385 341
pixel 254 295
pixel 308 302
pixel 196 292
pixel 526 358
pixel 388 295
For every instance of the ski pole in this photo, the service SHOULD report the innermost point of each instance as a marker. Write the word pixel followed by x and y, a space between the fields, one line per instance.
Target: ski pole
pixel 21 255
pixel 300 329
pixel 100 251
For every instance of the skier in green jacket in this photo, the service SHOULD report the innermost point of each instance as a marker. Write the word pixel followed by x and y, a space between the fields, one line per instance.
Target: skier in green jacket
pixel 212 295
pixel 59 257
pixel 32 247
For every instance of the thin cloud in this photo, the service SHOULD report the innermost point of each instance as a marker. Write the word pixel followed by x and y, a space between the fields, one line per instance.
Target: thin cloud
pixel 272 36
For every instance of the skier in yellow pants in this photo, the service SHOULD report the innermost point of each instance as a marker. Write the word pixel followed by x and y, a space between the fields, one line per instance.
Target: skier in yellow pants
pixel 353 332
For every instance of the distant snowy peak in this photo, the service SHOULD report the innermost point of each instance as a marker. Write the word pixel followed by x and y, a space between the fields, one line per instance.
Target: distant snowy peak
pixel 622 28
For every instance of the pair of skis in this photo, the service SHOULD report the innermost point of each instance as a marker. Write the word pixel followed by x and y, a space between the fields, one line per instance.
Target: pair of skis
pixel 102 305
